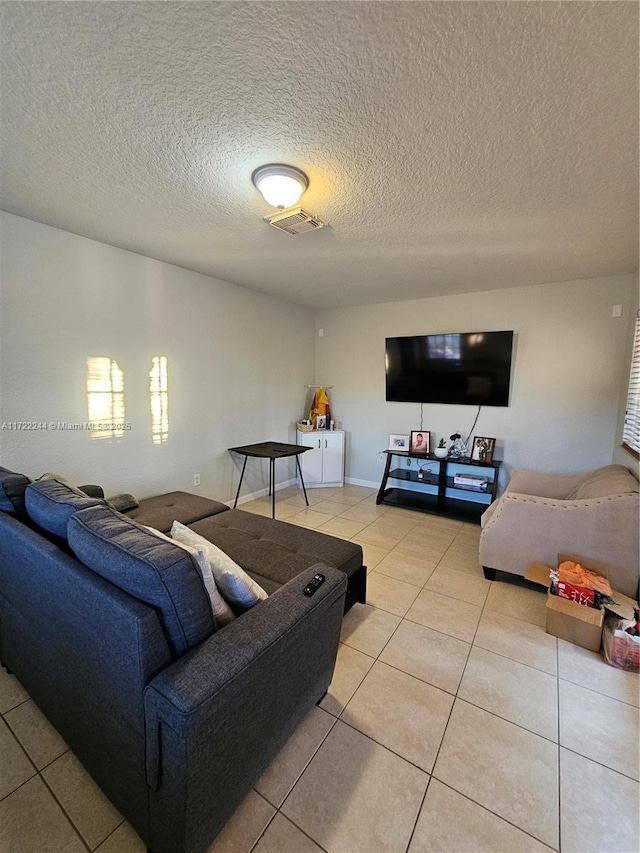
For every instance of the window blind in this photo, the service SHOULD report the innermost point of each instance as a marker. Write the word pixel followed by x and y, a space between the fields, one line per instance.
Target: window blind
pixel 631 430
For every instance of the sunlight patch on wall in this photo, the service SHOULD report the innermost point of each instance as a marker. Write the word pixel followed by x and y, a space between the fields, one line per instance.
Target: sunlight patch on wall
pixel 105 397
pixel 159 394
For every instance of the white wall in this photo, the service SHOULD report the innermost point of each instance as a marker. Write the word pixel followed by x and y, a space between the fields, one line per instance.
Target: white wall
pixel 567 372
pixel 237 362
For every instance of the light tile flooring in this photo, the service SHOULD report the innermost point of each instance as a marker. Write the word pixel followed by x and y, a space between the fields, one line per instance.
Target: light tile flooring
pixel 453 723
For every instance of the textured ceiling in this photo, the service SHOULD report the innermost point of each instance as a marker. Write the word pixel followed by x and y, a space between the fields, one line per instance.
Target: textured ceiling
pixel 451 146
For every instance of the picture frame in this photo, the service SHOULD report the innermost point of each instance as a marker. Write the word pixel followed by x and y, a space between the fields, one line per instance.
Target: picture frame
pixel 420 442
pixel 398 442
pixel 483 449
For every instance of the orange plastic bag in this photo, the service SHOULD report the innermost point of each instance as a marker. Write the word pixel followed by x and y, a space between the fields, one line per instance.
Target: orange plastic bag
pixel 576 574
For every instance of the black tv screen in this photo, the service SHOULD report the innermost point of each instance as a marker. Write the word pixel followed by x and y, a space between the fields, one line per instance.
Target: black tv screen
pixel 472 368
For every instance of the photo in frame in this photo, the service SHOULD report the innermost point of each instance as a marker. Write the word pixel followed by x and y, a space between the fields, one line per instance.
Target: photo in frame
pixel 420 441
pixel 483 449
pixel 398 442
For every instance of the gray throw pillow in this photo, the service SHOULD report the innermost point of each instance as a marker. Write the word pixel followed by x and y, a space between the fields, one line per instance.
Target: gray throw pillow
pixel 123 502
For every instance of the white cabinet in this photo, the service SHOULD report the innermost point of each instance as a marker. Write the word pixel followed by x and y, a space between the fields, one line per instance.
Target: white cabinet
pixel 323 465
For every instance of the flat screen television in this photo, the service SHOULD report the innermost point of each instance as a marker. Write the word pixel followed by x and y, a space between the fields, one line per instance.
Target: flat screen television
pixel 472 368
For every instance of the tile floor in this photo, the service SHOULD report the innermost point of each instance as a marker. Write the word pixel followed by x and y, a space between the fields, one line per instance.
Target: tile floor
pixel 449 726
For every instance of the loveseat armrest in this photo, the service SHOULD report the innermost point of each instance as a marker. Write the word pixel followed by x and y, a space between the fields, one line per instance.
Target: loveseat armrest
pixel 218 716
pixel 544 485
pixel 522 529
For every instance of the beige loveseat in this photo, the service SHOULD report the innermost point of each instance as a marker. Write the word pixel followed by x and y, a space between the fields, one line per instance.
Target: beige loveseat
pixel 591 516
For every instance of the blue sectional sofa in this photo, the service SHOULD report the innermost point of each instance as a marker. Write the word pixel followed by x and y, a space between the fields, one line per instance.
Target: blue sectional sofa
pixel 110 631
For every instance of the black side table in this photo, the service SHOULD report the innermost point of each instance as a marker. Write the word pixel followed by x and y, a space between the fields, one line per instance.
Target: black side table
pixel 270 450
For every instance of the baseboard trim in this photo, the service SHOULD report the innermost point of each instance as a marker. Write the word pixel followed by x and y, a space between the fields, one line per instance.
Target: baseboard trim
pixel 368 484
pixel 261 493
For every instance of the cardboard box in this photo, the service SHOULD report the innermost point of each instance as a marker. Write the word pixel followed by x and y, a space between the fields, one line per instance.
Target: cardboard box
pixel 574 622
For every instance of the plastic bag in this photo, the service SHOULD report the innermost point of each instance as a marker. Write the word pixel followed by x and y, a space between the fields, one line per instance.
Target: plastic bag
pixel 574 573
pixel 619 648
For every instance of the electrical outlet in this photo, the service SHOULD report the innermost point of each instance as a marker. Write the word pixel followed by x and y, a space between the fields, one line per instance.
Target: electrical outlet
pixel 196 479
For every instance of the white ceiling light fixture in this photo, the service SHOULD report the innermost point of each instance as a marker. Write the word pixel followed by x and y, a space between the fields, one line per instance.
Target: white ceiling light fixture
pixel 280 185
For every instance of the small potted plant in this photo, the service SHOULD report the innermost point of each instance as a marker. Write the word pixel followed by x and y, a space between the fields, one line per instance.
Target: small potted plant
pixel 441 450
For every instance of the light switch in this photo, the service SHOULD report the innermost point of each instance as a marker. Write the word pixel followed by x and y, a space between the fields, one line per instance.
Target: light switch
pixel 616 311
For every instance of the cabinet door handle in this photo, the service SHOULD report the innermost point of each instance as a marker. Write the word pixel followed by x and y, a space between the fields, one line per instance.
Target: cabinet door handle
pixel 325 442
pixel 318 443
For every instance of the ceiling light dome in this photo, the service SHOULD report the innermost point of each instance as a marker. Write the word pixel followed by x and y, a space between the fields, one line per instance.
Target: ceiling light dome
pixel 280 185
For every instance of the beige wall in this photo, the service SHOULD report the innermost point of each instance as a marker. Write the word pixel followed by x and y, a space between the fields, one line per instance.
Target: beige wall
pixel 568 367
pixel 237 364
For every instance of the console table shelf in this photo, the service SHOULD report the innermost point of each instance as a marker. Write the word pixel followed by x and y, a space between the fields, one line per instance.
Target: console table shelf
pixel 440 495
pixel 428 479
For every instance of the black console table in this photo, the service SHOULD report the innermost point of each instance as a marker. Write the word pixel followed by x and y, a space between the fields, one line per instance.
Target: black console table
pixel 440 497
pixel 270 450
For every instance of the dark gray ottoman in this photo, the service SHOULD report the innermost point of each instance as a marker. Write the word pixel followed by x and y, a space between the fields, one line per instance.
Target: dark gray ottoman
pixel 162 510
pixel 273 552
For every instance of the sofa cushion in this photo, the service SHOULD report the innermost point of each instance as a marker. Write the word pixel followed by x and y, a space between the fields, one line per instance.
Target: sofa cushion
pixel 162 510
pixel 50 504
pixel 274 549
pixel 609 480
pixel 237 588
pixel 155 571
pixel 267 584
pixel 12 489
pixel 91 490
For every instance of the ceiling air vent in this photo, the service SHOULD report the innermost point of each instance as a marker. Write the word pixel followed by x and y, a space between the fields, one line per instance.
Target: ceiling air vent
pixel 295 220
